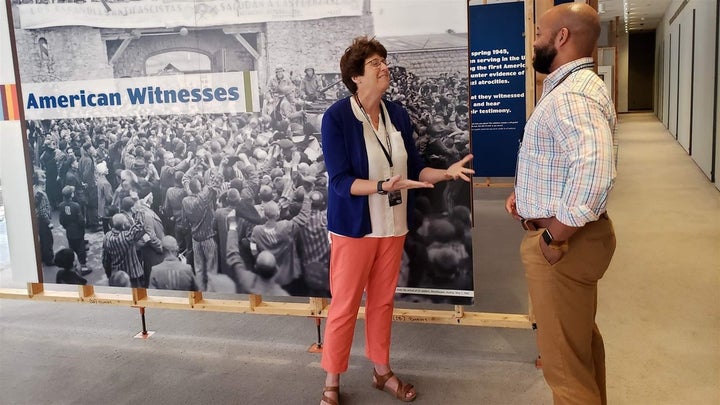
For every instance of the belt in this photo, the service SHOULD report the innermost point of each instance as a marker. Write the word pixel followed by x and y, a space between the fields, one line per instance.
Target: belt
pixel 540 223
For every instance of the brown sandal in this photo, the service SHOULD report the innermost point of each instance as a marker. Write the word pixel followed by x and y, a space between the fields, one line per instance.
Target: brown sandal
pixel 327 399
pixel 401 391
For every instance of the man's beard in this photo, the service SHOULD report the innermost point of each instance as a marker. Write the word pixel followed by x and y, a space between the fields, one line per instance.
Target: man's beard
pixel 544 58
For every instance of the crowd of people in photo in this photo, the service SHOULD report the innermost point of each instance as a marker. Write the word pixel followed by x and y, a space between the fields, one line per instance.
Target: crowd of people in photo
pixel 236 202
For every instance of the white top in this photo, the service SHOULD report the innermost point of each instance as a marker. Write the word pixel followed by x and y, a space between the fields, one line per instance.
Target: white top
pixel 385 220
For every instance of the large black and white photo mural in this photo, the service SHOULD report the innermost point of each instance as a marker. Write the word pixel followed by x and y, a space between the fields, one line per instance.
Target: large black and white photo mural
pixel 176 144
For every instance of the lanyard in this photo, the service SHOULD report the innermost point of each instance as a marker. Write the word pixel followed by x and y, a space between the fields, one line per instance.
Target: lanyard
pixel 388 155
pixel 588 65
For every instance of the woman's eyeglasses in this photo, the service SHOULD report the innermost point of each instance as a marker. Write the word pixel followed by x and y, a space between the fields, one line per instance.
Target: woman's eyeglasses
pixel 376 63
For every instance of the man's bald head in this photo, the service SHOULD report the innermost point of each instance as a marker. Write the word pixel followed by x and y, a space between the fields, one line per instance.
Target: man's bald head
pixel 120 222
pixel 195 185
pixel 571 28
pixel 584 24
pixel 170 245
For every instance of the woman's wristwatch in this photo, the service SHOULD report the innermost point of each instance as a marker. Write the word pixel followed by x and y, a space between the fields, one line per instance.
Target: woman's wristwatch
pixel 379 187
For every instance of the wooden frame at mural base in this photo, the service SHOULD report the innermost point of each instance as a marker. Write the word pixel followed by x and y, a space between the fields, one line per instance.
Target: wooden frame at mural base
pixel 254 304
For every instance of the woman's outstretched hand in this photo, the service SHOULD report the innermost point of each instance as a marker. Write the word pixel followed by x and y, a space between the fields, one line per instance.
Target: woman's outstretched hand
pixel 458 170
pixel 396 183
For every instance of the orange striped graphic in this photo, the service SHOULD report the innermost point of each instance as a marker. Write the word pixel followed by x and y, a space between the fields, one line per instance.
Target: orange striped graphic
pixel 9 100
pixel 13 108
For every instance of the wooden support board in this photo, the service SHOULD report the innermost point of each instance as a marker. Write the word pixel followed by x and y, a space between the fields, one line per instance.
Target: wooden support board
pixel 489 183
pixel 315 307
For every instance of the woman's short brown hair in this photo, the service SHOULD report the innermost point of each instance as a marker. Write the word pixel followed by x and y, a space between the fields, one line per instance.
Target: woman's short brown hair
pixel 352 63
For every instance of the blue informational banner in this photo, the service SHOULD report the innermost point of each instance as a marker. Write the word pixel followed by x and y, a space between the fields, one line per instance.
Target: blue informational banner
pixel 497 86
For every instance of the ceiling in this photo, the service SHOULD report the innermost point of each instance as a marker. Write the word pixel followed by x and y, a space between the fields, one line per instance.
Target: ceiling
pixel 642 14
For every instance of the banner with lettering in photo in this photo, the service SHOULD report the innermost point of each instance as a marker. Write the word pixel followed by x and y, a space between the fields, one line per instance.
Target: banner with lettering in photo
pixel 150 14
pixel 497 86
pixel 228 92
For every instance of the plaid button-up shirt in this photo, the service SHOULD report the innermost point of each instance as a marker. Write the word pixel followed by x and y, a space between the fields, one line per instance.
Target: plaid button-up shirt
pixel 565 165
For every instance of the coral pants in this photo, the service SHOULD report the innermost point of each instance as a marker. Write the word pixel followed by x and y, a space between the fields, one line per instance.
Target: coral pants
pixel 357 264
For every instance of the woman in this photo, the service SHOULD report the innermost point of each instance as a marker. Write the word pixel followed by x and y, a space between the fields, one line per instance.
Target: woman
pixel 371 161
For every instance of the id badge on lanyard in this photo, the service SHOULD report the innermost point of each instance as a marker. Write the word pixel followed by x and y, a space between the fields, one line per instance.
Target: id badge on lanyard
pixel 394 197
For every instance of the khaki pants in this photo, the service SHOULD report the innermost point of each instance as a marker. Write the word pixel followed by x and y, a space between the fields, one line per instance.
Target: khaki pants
pixel 564 301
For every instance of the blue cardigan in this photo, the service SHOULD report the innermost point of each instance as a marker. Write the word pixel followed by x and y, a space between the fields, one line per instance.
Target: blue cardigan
pixel 346 160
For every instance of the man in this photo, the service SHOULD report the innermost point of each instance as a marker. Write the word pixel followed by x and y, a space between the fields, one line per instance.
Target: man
pixel 265 269
pixel 72 178
pixel 43 213
pixel 119 249
pixel 564 174
pixel 278 236
pixel 310 85
pixel 286 109
pixel 172 274
pixel 115 159
pixel 172 207
pixel 72 219
pixel 227 202
pixel 314 247
pixel 49 159
pixel 64 259
pixel 241 220
pixel 151 251
pixel 86 171
pixel 198 209
pixel 128 187
pixel 104 195
pixel 279 83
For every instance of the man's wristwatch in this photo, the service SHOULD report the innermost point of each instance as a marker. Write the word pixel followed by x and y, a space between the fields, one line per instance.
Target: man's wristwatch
pixel 552 243
pixel 379 187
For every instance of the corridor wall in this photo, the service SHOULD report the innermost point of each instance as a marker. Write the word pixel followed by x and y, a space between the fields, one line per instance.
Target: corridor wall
pixel 687 40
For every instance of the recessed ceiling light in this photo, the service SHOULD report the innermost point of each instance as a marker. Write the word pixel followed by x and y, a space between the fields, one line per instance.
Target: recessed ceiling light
pixel 626 14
